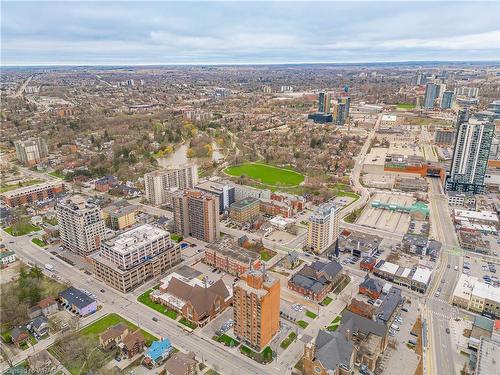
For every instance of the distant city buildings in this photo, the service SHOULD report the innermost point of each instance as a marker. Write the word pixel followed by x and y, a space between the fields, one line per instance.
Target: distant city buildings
pixel 256 305
pixel 470 92
pixel 196 214
pixel 431 93
pixel 447 100
pixel 81 225
pixel 470 155
pixel 341 109
pixel 32 151
pixel 323 228
pixel 162 183
pixel 131 258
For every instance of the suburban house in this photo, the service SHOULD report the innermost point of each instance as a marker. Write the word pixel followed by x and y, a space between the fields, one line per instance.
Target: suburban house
pixel 371 287
pixel 39 325
pixel 7 257
pixel 197 303
pixel 19 336
pixel 133 343
pixel 158 352
pixel 291 260
pixel 45 307
pixel 77 302
pixel 181 364
pixel 114 335
pixel 316 280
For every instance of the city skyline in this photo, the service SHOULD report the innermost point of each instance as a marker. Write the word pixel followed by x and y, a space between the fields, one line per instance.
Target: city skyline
pixel 173 33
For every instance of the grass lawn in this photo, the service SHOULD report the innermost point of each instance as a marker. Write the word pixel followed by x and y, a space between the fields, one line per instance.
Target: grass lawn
pixel 326 301
pixel 286 342
pixel 39 242
pixel 406 105
pixel 227 340
pixel 211 372
pixel 25 230
pixel 266 174
pixel 337 319
pixel 57 174
pixel 187 323
pixel 6 188
pixel 332 328
pixel 310 314
pixel 267 255
pixel 265 356
pixel 146 300
pixel 176 237
pixel 302 324
pixel 99 326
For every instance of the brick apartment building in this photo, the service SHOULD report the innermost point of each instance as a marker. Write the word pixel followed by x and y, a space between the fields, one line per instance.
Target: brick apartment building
pixel 230 257
pixel 31 194
pixel 256 306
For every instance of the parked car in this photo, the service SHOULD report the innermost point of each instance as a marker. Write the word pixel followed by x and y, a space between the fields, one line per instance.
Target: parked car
pixel 155 319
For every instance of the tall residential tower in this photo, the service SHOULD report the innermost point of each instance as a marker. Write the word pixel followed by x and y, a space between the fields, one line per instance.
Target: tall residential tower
pixel 323 228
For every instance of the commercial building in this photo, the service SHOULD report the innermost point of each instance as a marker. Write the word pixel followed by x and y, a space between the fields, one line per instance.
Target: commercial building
pixel 323 228
pixel 33 193
pixel 471 92
pixel 371 287
pixel 81 226
pixel 161 183
pixel 223 191
pixel 231 258
pixel 413 164
pixel 478 217
pixel 487 357
pixel 129 259
pixel 388 120
pixel 32 151
pixel 119 214
pixel 431 93
pixel 77 302
pixel 245 210
pixel 444 137
pixel 416 278
pixel 472 294
pixel 470 155
pixel 447 100
pixel 196 214
pixel 316 280
pixel 359 244
pixel 256 306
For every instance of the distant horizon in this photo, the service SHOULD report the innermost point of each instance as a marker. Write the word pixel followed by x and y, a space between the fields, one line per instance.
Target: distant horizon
pixel 426 62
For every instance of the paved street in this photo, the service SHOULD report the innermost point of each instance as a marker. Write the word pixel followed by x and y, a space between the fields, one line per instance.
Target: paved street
pixel 441 355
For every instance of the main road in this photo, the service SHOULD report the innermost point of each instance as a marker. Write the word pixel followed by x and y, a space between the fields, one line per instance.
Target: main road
pixel 441 355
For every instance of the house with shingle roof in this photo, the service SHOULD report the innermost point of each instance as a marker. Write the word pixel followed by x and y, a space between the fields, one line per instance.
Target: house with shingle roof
pixel 371 287
pixel 113 336
pixel 181 364
pixel 316 280
pixel 198 304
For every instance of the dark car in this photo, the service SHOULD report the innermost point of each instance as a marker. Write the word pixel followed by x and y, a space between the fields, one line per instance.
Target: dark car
pixel 447 330
pixel 155 319
pixel 102 290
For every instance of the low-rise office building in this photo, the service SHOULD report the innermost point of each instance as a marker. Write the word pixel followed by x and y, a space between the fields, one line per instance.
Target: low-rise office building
pixel 472 294
pixel 77 302
pixel 131 258
pixel 245 210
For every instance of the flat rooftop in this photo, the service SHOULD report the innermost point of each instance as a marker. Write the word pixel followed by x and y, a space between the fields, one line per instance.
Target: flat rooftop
pixel 227 247
pixel 135 238
pixel 244 203
pixel 121 207
pixel 31 188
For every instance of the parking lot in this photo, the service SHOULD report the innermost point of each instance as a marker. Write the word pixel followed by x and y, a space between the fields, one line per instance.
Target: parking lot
pixel 485 271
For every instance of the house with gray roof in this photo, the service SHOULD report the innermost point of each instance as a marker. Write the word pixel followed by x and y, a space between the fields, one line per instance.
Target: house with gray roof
pixel 389 305
pixel 316 280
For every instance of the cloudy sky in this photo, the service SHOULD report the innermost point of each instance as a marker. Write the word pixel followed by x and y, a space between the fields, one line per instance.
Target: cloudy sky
pixel 246 32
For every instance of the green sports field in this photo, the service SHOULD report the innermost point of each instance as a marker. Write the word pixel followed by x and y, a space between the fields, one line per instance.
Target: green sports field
pixel 266 174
